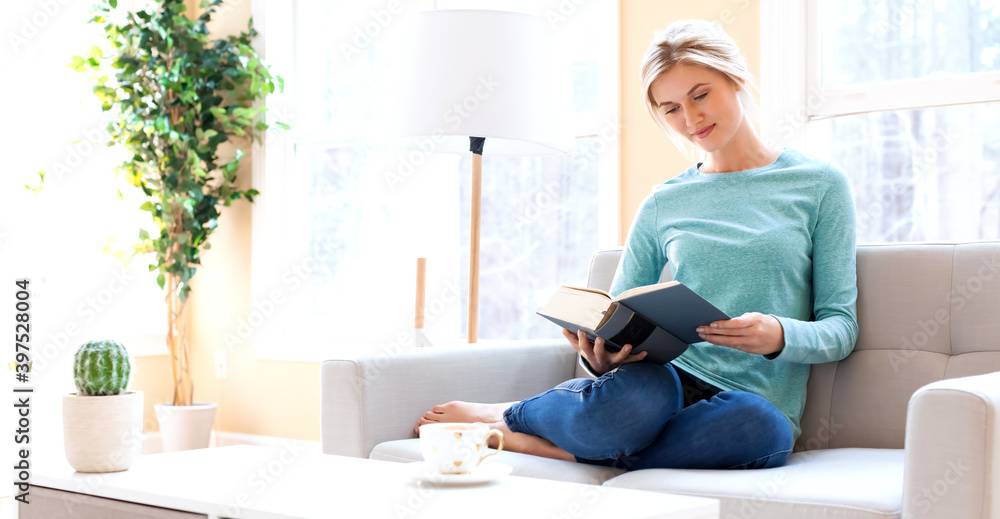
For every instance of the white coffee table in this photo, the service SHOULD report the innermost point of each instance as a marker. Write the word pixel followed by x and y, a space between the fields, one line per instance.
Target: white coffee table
pixel 250 482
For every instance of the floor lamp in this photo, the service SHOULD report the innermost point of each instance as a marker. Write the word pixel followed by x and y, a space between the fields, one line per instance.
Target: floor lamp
pixel 475 80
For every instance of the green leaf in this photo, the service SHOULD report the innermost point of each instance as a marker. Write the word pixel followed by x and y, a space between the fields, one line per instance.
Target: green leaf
pixel 160 280
pixel 120 197
pixel 143 235
pixel 147 206
pixel 114 4
pixel 96 51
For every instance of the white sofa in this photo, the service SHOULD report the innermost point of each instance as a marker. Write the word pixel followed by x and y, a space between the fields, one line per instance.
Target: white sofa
pixel 906 426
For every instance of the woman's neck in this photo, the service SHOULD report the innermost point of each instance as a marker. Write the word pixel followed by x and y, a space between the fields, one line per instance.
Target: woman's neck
pixel 744 151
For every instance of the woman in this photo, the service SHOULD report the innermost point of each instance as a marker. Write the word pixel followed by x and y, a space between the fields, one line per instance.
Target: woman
pixel 764 233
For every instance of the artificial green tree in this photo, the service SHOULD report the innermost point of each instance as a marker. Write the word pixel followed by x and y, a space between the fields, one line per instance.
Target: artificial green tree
pixel 178 96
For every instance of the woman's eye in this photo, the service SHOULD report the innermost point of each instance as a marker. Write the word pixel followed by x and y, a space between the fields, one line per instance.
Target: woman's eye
pixel 672 110
pixel 702 96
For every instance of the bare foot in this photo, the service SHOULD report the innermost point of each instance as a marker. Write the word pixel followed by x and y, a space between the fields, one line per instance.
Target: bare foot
pixel 463 412
pixel 527 444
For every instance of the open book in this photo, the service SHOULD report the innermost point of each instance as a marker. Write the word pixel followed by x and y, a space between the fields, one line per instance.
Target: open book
pixel 661 319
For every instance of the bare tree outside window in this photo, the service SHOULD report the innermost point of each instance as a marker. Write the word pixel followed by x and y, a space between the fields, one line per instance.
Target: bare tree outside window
pixel 923 174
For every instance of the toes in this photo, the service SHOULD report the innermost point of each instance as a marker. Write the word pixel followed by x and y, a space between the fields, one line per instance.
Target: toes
pixel 449 406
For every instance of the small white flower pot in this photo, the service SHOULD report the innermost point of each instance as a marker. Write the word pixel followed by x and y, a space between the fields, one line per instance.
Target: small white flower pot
pixel 102 433
pixel 185 427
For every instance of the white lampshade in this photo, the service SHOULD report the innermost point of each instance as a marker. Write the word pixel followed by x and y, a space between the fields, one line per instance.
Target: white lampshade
pixel 479 73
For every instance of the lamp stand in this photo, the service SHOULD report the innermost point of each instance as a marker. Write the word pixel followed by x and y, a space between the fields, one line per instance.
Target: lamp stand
pixel 420 339
pixel 476 147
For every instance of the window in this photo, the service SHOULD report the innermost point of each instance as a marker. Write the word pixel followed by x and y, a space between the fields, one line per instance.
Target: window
pixel 342 217
pixel 902 95
pixel 57 238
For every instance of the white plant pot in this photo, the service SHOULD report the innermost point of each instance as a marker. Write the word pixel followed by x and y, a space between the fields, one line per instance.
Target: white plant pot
pixel 185 427
pixel 102 433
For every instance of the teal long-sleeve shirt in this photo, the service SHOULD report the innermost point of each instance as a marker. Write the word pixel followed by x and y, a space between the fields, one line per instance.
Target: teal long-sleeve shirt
pixel 778 240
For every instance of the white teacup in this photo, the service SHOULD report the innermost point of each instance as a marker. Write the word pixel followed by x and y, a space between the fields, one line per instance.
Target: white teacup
pixel 456 448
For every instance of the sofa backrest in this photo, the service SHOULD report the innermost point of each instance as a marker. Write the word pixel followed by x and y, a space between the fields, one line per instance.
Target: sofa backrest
pixel 926 312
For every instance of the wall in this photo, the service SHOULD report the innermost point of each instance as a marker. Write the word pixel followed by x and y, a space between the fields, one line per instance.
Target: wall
pixel 282 398
pixel 648 157
pixel 258 397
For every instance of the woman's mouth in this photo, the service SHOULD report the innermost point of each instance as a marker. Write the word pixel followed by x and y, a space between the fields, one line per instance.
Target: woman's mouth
pixel 704 133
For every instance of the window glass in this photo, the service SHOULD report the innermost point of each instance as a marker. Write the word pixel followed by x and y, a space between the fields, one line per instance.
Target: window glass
pixel 866 41
pixel 356 213
pixel 920 175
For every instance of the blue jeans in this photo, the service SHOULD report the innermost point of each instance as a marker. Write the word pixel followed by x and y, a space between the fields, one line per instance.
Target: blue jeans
pixel 638 417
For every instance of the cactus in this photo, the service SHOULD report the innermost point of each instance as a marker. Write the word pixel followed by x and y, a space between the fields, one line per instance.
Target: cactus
pixel 101 368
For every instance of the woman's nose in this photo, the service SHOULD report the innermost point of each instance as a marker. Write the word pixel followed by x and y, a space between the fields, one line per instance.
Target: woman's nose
pixel 692 118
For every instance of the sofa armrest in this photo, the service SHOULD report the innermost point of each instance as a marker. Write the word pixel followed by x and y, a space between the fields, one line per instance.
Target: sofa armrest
pixel 952 466
pixel 369 399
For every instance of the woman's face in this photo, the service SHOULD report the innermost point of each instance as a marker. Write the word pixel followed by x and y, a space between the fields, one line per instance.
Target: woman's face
pixel 700 104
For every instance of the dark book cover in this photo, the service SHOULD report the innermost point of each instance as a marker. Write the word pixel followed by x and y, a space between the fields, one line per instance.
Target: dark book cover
pixel 659 319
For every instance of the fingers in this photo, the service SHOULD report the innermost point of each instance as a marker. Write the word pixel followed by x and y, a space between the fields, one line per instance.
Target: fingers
pixel 586 347
pixel 597 354
pixel 738 326
pixel 627 356
pixel 622 356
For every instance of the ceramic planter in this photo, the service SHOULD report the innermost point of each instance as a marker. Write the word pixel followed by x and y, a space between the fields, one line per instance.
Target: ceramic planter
pixel 185 427
pixel 102 433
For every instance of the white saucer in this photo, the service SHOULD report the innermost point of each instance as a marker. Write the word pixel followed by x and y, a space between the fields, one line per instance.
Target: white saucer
pixel 484 473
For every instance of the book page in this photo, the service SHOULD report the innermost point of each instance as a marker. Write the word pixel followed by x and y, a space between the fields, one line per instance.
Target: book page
pixel 588 289
pixel 582 307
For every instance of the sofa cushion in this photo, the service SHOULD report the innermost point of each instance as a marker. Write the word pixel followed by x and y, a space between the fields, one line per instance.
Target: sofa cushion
pixel 926 311
pixel 840 483
pixel 524 465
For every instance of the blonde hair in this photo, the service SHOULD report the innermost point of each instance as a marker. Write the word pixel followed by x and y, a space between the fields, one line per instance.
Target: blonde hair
pixel 699 43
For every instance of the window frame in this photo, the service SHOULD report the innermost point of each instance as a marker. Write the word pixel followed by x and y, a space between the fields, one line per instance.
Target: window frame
pixel 274 152
pixel 792 95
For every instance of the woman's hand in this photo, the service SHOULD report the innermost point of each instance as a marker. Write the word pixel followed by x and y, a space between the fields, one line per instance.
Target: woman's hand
pixel 751 332
pixel 600 359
